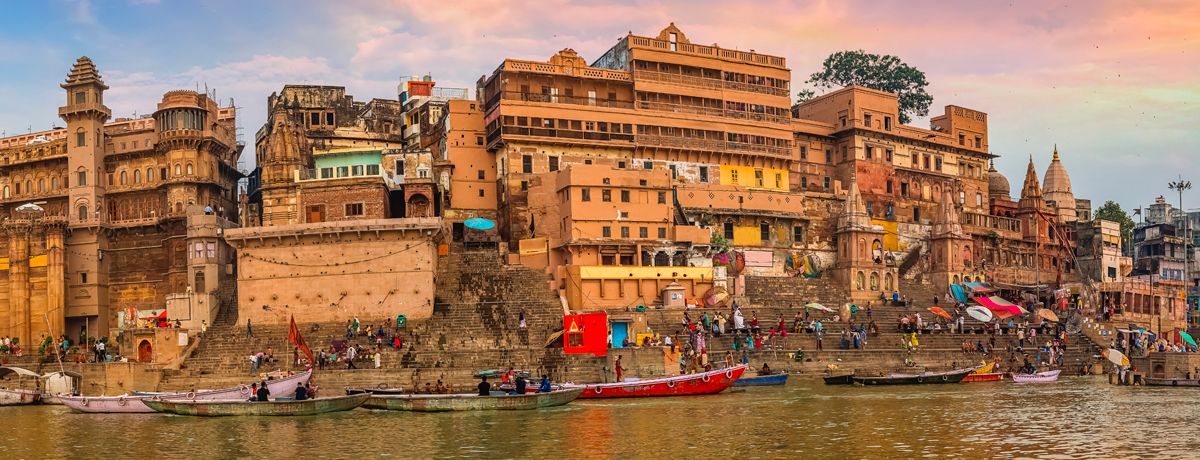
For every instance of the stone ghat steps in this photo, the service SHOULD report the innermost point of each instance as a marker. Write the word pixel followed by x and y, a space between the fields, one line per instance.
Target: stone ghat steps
pixel 794 291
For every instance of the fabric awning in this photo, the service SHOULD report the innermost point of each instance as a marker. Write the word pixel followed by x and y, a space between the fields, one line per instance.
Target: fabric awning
pixel 19 371
pixel 997 305
pixel 978 287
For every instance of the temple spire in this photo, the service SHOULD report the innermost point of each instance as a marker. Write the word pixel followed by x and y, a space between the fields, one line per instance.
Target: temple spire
pixel 1055 152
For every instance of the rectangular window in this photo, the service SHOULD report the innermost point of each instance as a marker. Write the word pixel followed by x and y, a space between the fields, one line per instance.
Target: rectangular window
pixel 314 118
pixel 887 123
pixel 733 177
pixel 870 152
pixel 643 232
pixel 647 165
pixel 803 152
pixel 620 165
pixel 481 193
pixel 662 197
pixel 662 233
pixel 916 214
pixel 585 194
pixel 354 209
pixel 356 170
pixel 729 231
pixel 962 139
pixel 978 142
pixel 80 97
pixel 211 249
pixel 83 277
pixel 624 196
pixel 478 140
pixel 606 195
pixel 524 185
pixel 82 178
pixel 527 164
pixel 326 173
pixel 481 174
pixel 844 152
pixel 778 180
pixel 399 167
pixel 829 156
pixel 867 120
pixel 606 231
pixel 343 171
pixel 904 189
pixel 80 139
pixel 826 183
pixel 937 164
pixel 624 232
pixel 758 177
pixel 372 170
pixel 798 234
pixel 329 118
pixel 803 182
pixel 888 155
pixel 554 163
pixel 704 174
pixel 764 231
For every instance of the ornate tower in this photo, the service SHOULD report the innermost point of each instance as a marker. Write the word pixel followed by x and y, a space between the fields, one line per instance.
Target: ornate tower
pixel 87 282
pixel 1031 206
pixel 1057 188
pixel 951 256
pixel 860 253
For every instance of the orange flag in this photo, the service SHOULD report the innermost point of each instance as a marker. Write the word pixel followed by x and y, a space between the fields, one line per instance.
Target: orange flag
pixel 296 340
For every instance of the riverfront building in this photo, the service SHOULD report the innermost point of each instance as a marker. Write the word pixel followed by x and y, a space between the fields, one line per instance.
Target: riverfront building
pixel 107 217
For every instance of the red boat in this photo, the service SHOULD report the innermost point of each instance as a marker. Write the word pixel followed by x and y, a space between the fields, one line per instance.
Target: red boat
pixel 988 377
pixel 706 383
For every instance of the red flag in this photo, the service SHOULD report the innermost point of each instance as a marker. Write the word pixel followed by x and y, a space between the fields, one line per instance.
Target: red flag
pixel 295 339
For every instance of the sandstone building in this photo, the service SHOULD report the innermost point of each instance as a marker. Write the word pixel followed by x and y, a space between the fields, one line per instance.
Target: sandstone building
pixel 108 217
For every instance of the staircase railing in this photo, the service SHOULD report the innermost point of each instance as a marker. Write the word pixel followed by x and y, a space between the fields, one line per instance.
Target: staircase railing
pixel 911 259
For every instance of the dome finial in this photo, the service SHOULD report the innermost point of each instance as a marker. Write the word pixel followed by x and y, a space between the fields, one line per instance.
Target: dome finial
pixel 1055 152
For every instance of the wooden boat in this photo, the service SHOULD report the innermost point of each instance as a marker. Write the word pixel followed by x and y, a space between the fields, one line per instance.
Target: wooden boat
pixel 210 408
pixel 284 386
pixel 840 379
pixel 1040 377
pixel 988 377
pixel 705 383
pixel 464 402
pixel 125 404
pixel 20 396
pixel 377 391
pixel 1158 382
pixel 14 397
pixel 924 378
pixel 984 374
pixel 763 380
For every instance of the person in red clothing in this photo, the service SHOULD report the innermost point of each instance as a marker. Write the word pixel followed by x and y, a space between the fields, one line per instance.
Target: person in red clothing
pixel 617 368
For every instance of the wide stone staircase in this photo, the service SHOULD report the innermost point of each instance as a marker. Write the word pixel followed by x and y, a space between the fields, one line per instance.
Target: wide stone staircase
pixel 474 326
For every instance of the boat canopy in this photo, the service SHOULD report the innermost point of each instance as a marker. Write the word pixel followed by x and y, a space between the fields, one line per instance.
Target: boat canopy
pixel 4 371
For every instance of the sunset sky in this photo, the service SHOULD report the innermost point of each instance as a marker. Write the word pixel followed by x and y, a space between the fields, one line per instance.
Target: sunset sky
pixel 1115 84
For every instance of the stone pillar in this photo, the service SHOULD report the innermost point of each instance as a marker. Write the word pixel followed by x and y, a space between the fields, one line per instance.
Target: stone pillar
pixel 56 278
pixel 18 283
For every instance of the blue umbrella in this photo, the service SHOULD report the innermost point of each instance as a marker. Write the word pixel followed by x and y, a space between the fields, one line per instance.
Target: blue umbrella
pixel 479 224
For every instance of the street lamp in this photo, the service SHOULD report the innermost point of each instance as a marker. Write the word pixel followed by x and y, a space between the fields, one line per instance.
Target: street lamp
pixel 1180 186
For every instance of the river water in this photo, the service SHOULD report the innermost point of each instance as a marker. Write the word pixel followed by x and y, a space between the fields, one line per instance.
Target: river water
pixel 1074 418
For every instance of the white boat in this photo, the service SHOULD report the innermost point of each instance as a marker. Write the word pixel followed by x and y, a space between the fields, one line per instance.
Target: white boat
pixel 134 404
pixel 1040 377
pixel 124 404
pixel 19 396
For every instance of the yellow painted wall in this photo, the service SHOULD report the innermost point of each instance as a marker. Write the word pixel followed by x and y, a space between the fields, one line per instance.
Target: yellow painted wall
pixel 891 238
pixel 35 261
pixel 617 272
pixel 746 236
pixel 745 177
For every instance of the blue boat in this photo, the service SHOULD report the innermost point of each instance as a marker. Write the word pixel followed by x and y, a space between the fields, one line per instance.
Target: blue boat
pixel 773 379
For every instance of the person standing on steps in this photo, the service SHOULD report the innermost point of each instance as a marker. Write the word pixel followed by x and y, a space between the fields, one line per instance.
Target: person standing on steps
pixel 249 331
pixel 351 353
pixel 378 358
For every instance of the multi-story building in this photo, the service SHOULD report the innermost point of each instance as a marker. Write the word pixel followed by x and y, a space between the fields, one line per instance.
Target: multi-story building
pixel 106 218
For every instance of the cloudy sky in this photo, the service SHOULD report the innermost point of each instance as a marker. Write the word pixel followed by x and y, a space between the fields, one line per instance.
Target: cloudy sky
pixel 1115 84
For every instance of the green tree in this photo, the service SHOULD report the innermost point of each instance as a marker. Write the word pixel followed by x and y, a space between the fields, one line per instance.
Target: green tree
pixel 805 95
pixel 1111 211
pixel 884 73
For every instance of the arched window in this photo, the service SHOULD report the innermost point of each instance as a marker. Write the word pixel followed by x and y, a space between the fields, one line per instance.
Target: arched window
pixel 860 281
pixel 874 281
pixel 137 176
pixel 149 174
pixel 888 283
pixel 83 214
pixel 179 207
pixel 82 180
pixel 80 137
pixel 124 178
pixel 41 185
pixel 189 169
pixel 6 192
pixel 53 183
pixel 178 169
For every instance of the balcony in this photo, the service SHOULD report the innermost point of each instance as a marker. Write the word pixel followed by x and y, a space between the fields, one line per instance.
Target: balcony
pixel 709 51
pixel 563 134
pixel 513 65
pixel 558 99
pixel 707 83
pixel 713 145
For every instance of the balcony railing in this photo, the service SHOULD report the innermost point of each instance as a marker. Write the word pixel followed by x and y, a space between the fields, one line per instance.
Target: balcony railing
pixel 712 112
pixel 702 50
pixel 560 99
pixel 707 83
pixel 567 134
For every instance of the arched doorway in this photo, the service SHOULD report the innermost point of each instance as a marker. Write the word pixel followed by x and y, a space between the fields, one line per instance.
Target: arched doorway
pixel 199 284
pixel 145 351
pixel 418 206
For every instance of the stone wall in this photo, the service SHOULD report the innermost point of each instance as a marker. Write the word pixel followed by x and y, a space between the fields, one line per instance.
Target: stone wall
pixel 335 271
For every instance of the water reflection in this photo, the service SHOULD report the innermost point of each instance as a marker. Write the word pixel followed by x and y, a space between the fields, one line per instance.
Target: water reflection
pixel 1072 419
